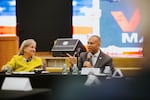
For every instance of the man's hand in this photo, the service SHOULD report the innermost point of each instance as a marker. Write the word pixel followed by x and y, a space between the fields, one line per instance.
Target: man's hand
pixel 72 59
pixel 87 64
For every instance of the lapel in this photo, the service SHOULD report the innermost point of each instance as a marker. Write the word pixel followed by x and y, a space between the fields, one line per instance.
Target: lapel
pixel 99 60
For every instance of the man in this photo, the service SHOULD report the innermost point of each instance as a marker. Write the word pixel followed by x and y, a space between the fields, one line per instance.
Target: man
pixel 94 57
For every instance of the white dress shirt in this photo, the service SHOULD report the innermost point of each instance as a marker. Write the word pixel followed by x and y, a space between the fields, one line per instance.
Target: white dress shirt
pixel 94 58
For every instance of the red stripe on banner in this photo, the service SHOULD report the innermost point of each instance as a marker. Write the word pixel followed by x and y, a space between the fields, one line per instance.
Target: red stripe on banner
pixel 125 25
pixel 7 30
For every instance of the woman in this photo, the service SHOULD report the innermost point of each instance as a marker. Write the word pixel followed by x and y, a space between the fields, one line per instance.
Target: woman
pixel 25 60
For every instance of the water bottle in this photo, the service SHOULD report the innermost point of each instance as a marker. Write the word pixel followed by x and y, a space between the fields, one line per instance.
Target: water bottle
pixel 107 71
pixel 75 69
pixel 64 69
pixel 8 70
pixel 44 66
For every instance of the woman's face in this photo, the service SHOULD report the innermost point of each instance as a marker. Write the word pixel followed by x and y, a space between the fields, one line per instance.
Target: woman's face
pixel 30 50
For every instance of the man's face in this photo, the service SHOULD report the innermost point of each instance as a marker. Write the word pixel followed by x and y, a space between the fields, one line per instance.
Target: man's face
pixel 93 45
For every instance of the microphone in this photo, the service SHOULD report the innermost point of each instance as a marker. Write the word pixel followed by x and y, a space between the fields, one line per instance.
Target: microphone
pixel 77 53
pixel 89 55
pixel 87 62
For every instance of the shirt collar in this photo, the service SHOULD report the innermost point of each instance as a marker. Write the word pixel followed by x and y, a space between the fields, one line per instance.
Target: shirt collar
pixel 97 54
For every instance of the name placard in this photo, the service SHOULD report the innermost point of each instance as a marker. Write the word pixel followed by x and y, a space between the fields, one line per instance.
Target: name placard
pixel 16 83
pixel 95 71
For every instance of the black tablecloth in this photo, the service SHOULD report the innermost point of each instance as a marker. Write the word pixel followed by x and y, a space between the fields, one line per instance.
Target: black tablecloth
pixel 39 94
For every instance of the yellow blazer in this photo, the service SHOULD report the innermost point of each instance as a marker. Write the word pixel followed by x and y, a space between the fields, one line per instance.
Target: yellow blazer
pixel 19 63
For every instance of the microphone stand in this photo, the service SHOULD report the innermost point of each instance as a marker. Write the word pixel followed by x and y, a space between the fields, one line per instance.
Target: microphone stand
pixel 77 54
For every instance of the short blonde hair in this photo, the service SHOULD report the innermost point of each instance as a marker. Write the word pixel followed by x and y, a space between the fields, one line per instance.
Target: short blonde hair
pixel 25 44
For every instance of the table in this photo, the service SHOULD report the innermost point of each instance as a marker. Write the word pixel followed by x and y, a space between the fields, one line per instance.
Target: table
pixel 56 82
pixel 40 94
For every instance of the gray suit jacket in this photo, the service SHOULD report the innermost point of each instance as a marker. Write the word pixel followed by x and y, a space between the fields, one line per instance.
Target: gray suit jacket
pixel 102 61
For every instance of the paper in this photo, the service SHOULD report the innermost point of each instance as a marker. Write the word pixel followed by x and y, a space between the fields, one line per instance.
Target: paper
pixel 23 72
pixel 95 71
